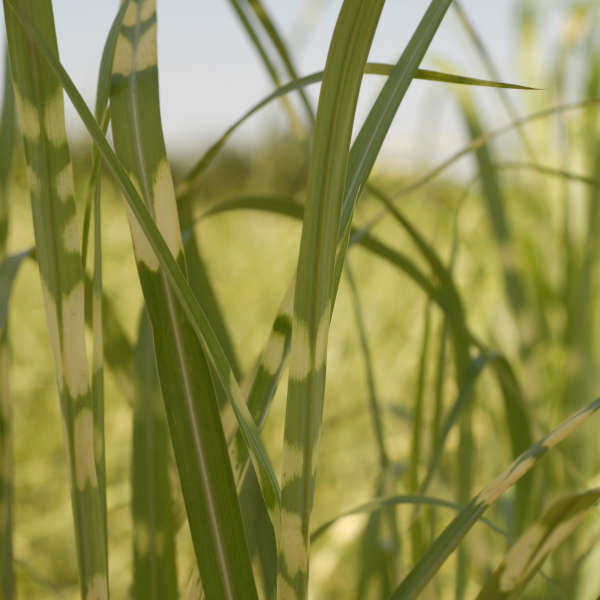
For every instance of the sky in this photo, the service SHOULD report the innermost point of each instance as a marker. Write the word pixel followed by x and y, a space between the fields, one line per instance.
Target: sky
pixel 209 73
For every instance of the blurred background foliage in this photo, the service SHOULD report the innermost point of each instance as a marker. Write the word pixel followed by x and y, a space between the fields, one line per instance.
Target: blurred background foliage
pixel 522 236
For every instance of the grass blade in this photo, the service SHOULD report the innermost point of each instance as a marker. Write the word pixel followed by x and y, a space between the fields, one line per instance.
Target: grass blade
pixel 8 134
pixel 530 551
pixel 373 559
pixel 495 205
pixel 190 401
pixel 449 539
pixel 8 131
pixel 9 267
pixel 94 200
pixel 41 114
pixel 154 568
pixel 102 116
pixel 415 455
pixel 374 406
pixel 417 535
pixel 492 70
pixel 393 501
pixel 314 291
pixel 518 424
pixel 545 170
pixel 269 26
pixel 440 370
pixel 261 536
pixel 254 36
pixel 461 404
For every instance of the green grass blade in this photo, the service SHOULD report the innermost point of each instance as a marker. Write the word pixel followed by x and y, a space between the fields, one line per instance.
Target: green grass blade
pixel 272 360
pixel 97 383
pixel 456 79
pixel 393 501
pixel 255 38
pixel 518 425
pixel 192 309
pixel 102 116
pixel 517 420
pixel 527 555
pixel 374 564
pixel 440 371
pixel 415 455
pixel 8 131
pixel 546 170
pixel 440 271
pixel 154 568
pixel 190 400
pixel 8 134
pixel 274 203
pixel 440 375
pixel 446 543
pixel 580 316
pixel 417 535
pixel 461 404
pixel 261 536
pixel 270 28
pixel 501 229
pixel 189 181
pixel 94 200
pixel 464 468
pixel 266 377
pixel 314 292
pixel 256 41
pixel 261 541
pixel 374 406
pixel 41 114
pixel 492 70
pixel 258 527
pixel 7 584
pixel 9 267
pixel 373 131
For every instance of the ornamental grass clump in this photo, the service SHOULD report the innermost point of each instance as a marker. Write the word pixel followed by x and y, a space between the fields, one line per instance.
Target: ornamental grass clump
pixel 210 517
